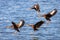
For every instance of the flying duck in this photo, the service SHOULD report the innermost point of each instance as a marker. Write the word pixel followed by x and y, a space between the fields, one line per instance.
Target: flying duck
pixel 37 8
pixel 16 26
pixel 37 25
pixel 50 14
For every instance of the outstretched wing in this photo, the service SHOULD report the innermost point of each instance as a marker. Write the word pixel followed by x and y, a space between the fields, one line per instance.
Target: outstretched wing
pixel 15 26
pixel 22 22
pixel 52 13
pixel 38 24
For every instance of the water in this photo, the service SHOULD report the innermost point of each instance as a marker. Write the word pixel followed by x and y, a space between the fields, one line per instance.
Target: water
pixel 15 10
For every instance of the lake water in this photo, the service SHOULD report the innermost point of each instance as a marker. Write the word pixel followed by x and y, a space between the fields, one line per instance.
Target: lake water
pixel 15 10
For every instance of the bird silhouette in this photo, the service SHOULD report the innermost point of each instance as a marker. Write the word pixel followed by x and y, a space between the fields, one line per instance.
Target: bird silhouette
pixel 37 25
pixel 37 8
pixel 16 26
pixel 50 14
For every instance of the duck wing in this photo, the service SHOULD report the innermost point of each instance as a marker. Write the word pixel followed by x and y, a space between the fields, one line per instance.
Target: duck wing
pixel 38 24
pixel 15 26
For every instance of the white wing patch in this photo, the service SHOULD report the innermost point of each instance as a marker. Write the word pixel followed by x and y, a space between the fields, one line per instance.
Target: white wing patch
pixel 20 23
pixel 52 12
pixel 35 6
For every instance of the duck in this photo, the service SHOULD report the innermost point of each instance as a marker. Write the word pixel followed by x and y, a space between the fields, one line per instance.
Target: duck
pixel 17 26
pixel 37 25
pixel 37 8
pixel 50 14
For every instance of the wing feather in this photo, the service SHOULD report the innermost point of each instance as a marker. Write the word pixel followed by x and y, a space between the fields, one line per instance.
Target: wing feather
pixel 15 26
pixel 38 24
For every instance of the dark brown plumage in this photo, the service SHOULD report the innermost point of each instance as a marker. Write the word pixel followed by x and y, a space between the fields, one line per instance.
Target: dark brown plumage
pixel 16 26
pixel 36 7
pixel 50 14
pixel 37 25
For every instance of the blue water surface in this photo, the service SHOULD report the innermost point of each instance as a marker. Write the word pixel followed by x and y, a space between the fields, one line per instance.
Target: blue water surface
pixel 15 10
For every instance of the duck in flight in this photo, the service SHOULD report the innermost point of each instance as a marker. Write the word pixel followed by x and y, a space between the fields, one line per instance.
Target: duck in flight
pixel 49 15
pixel 37 25
pixel 37 8
pixel 17 26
